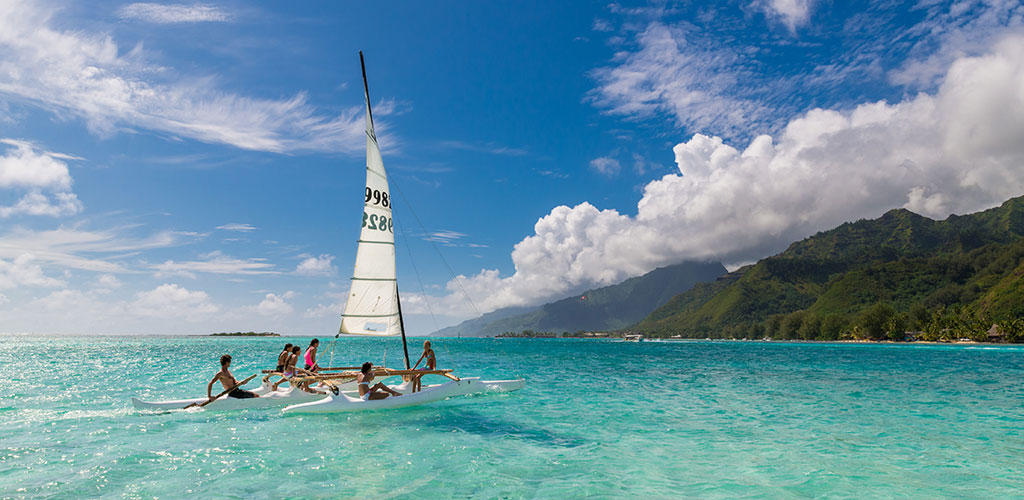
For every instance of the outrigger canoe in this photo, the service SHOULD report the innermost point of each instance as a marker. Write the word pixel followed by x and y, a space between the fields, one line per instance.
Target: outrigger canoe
pixel 292 397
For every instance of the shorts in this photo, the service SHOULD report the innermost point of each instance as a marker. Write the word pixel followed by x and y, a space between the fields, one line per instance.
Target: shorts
pixel 241 394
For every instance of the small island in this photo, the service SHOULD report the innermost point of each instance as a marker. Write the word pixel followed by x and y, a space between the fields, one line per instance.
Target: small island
pixel 245 334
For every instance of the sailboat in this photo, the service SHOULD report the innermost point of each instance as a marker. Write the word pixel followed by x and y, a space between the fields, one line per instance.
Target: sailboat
pixel 373 308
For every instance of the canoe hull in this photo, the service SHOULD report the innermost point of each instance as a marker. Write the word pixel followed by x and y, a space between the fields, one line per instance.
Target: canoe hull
pixel 267 399
pixel 348 402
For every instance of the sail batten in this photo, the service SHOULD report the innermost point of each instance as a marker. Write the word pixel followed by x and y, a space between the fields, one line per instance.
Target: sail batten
pixel 372 307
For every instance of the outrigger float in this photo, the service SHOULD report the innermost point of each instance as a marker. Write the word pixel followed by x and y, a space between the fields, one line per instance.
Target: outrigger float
pixel 373 308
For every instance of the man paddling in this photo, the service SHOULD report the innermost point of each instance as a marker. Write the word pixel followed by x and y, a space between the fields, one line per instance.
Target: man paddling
pixel 228 381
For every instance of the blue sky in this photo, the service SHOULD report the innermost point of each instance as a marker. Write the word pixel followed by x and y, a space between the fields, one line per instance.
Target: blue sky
pixel 187 168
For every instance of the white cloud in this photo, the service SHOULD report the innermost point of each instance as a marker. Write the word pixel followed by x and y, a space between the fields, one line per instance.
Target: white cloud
pixel 674 72
pixel 241 228
pixel 601 25
pixel 25 167
pixel 76 248
pixel 955 151
pixel 87 75
pixel 445 237
pixel 3 299
pixel 489 148
pixel 792 13
pixel 172 301
pixel 274 305
pixel 168 308
pixel 173 13
pixel 216 263
pixel 950 31
pixel 606 166
pixel 333 308
pixel 22 271
pixel 108 281
pixel 316 266
pixel 36 203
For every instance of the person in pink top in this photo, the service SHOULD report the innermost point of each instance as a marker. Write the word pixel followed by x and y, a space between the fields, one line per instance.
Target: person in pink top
pixel 310 356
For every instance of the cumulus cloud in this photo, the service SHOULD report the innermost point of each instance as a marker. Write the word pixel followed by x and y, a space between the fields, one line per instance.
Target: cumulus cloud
pixel 23 271
pixel 170 300
pixel 606 166
pixel 86 75
pixel 173 13
pixel 45 177
pixel 165 302
pixel 108 281
pixel 36 203
pixel 955 151
pixel 316 266
pixel 274 305
pixel 792 13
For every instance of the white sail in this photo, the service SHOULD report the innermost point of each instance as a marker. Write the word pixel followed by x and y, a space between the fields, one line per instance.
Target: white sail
pixel 372 306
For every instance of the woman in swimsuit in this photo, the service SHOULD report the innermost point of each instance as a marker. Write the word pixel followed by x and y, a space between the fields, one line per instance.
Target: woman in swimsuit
pixel 311 356
pixel 431 364
pixel 282 359
pixel 289 365
pixel 366 391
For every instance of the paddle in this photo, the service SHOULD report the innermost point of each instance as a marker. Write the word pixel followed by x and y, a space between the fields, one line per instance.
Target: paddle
pixel 208 401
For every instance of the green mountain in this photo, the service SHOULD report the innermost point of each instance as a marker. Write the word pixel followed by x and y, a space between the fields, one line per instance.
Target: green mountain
pixel 608 308
pixel 869 279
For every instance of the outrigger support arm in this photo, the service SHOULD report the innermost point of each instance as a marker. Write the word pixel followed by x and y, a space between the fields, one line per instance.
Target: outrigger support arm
pixel 385 373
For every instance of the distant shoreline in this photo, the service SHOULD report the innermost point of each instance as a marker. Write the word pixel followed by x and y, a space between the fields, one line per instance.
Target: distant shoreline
pixel 245 334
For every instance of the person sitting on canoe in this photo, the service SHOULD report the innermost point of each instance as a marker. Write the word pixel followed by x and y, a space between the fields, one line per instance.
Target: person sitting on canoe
pixel 310 356
pixel 366 391
pixel 228 381
pixel 289 366
pixel 431 364
pixel 282 359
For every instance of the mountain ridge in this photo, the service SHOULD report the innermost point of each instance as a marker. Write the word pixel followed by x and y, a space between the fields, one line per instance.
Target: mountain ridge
pixel 611 307
pixel 963 271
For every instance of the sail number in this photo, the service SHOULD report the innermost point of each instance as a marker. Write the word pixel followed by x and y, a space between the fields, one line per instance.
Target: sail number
pixel 378 222
pixel 379 197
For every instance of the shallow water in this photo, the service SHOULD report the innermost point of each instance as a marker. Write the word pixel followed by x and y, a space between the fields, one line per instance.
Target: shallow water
pixel 596 419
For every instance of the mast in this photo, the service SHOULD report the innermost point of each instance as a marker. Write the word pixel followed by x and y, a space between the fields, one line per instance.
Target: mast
pixel 401 326
pixel 366 93
pixel 375 281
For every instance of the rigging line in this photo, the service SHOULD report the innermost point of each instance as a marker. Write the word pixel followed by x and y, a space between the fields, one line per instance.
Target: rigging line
pixel 423 290
pixel 515 365
pixel 438 250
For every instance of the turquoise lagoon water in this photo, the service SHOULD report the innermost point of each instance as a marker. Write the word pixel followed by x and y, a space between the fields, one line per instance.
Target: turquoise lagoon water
pixel 597 419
